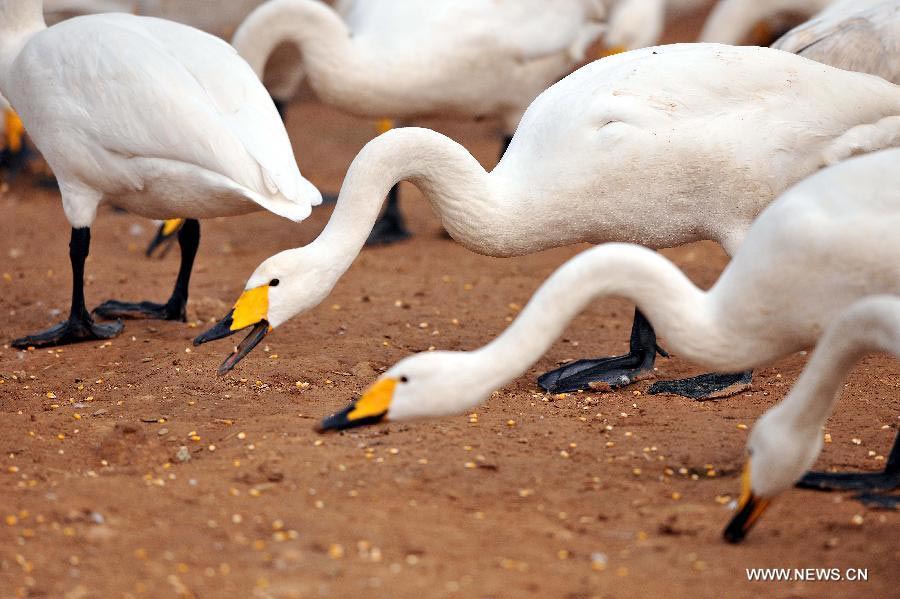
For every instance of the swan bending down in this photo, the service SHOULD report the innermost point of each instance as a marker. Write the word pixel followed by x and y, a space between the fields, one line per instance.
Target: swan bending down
pixel 406 59
pixel 159 118
pixel 787 439
pixel 732 21
pixel 660 146
pixel 855 35
pixel 824 244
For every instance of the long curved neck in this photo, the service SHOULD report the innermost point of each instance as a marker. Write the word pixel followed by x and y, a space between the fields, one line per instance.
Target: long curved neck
pixel 732 20
pixel 676 307
pixel 19 20
pixel 455 184
pixel 318 31
pixel 870 325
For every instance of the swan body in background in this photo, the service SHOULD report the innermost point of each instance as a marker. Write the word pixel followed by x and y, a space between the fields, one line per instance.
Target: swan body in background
pixel 407 59
pixel 826 243
pixel 129 109
pixel 855 35
pixel 786 440
pixel 732 21
pixel 634 24
pixel 660 146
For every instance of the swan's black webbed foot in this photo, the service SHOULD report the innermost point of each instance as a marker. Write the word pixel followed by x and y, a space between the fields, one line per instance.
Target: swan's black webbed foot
pixel 175 309
pixel 705 386
pixel 881 501
pixel 390 228
pixel 609 373
pixel 74 330
pixel 850 481
pixel 872 484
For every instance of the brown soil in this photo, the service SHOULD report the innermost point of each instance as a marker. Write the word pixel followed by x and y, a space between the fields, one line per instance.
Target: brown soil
pixel 97 503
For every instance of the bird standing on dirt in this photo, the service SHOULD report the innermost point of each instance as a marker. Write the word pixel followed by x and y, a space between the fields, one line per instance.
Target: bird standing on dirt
pixel 661 146
pixel 160 119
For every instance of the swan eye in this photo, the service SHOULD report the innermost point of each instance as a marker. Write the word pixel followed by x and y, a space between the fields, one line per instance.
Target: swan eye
pixel 274 283
pixel 404 379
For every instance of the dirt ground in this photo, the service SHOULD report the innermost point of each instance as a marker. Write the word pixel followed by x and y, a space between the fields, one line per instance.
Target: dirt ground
pixel 593 495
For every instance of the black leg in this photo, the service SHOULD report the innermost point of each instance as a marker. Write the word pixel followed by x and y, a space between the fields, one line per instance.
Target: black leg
pixel 390 228
pixel 705 386
pixel 176 307
pixel 506 141
pixel 609 373
pixel 281 107
pixel 79 326
pixel 868 482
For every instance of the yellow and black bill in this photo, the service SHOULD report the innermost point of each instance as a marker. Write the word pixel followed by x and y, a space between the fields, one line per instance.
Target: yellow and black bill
pixel 750 508
pixel 369 409
pixel 165 236
pixel 250 310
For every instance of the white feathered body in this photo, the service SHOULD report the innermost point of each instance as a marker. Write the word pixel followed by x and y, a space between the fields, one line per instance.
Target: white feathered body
pixel 409 58
pixel 674 144
pixel 162 119
pixel 828 242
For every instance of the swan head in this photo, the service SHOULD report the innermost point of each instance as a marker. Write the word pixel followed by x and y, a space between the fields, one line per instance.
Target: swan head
pixel 421 386
pixel 778 454
pixel 286 284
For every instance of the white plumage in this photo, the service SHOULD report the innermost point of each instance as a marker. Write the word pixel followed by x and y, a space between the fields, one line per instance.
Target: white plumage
pixel 660 146
pixel 826 243
pixel 786 440
pixel 160 118
pixel 410 58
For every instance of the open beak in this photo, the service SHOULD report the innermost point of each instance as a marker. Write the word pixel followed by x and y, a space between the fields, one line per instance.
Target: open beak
pixel 750 508
pixel 166 235
pixel 371 408
pixel 249 311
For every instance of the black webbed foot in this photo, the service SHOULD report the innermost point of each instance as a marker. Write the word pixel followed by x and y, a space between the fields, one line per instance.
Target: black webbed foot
pixel 176 311
pixel 70 331
pixel 705 386
pixel 603 374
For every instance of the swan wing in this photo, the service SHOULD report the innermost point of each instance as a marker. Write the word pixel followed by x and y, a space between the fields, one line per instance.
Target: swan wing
pixel 118 86
pixel 852 36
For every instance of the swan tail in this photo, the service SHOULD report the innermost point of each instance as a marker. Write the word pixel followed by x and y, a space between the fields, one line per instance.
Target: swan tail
pixel 863 139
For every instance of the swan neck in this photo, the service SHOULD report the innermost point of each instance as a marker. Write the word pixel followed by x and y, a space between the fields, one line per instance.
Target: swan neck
pixel 676 307
pixel 19 21
pixel 871 325
pixel 318 31
pixel 445 172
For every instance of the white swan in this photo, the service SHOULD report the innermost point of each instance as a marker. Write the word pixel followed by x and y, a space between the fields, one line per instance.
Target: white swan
pixel 160 118
pixel 406 59
pixel 732 21
pixel 787 439
pixel 660 146
pixel 824 244
pixel 857 35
